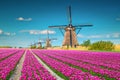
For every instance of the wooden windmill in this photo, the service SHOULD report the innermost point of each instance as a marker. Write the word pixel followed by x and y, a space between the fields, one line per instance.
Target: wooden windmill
pixel 70 36
pixel 39 43
pixel 48 40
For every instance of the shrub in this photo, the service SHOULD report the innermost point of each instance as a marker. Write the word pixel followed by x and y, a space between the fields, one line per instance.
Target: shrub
pixel 86 43
pixel 102 45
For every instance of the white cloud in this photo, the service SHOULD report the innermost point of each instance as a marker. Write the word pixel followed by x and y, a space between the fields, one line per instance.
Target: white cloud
pixel 47 31
pixel 35 32
pixel 7 33
pixel 24 19
pixel 13 34
pixel 118 19
pixel 107 35
pixel 80 36
pixel 112 35
pixel 116 35
pixel 28 19
pixel 95 36
pixel 1 31
pixel 89 36
pixel 20 18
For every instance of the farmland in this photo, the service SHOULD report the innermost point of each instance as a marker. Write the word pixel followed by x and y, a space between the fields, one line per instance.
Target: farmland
pixel 34 64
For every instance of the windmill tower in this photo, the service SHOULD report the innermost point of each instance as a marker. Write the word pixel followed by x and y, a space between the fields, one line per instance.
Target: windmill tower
pixel 48 43
pixel 70 36
pixel 48 40
pixel 39 43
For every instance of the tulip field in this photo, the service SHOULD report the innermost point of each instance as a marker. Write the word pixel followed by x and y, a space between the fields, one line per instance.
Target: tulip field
pixel 67 64
pixel 8 61
pixel 33 70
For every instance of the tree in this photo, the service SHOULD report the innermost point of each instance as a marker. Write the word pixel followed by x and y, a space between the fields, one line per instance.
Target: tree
pixel 86 43
pixel 102 45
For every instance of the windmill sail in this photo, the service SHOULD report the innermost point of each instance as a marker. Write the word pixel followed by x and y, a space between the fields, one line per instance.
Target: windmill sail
pixel 48 40
pixel 70 36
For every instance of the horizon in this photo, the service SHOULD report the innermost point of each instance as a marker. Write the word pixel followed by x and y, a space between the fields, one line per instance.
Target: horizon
pixel 25 22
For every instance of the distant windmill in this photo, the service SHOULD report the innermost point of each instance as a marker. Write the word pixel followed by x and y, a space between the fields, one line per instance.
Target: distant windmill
pixel 48 40
pixel 39 43
pixel 70 36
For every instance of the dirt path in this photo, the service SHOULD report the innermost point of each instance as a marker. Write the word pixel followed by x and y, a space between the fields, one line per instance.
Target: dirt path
pixel 17 73
pixel 46 67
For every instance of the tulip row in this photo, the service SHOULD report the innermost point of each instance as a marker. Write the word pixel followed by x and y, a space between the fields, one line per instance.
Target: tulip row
pixel 105 59
pixel 69 58
pixel 69 72
pixel 33 70
pixel 7 65
pixel 3 50
pixel 7 53
pixel 105 62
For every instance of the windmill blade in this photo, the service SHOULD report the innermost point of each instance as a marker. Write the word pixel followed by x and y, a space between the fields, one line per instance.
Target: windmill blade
pixel 84 25
pixel 38 42
pixel 34 43
pixel 59 26
pixel 78 30
pixel 69 13
pixel 61 31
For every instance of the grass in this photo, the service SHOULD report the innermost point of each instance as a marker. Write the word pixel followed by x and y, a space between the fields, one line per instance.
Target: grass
pixel 117 49
pixel 10 74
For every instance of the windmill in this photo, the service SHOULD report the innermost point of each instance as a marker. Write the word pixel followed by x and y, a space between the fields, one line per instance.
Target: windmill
pixel 39 43
pixel 48 40
pixel 70 36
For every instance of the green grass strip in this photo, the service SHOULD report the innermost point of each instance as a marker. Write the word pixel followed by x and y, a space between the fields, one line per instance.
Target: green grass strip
pixel 10 74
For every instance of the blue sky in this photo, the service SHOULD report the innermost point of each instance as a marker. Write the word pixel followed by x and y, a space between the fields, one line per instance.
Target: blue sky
pixel 24 21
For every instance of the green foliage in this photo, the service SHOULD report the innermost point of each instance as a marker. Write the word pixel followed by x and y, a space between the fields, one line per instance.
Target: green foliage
pixel 102 45
pixel 33 47
pixel 10 74
pixel 86 43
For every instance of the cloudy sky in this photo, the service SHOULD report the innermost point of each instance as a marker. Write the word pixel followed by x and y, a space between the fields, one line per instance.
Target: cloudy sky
pixel 23 22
